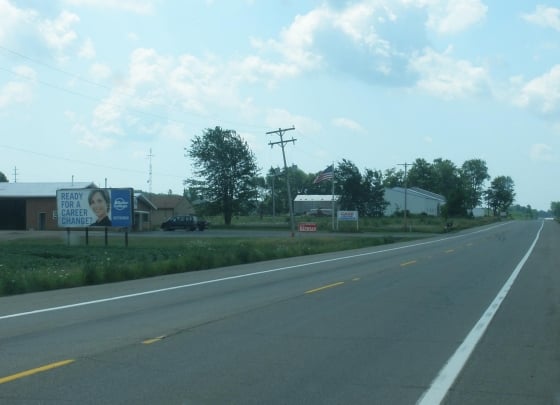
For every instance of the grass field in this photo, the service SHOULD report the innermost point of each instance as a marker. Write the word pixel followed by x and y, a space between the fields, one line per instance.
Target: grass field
pixel 28 265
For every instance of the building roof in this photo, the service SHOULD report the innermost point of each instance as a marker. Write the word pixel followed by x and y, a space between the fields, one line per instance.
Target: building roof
pixel 166 201
pixel 15 190
pixel 147 201
pixel 316 197
pixel 419 192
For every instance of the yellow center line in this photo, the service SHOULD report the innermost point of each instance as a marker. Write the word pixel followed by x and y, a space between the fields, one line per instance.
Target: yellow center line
pixel 324 287
pixel 408 263
pixel 35 371
pixel 154 340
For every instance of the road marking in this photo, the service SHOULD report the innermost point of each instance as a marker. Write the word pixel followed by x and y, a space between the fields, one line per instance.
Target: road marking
pixel 154 340
pixel 356 279
pixel 448 374
pixel 408 263
pixel 449 250
pixel 257 273
pixel 324 287
pixel 35 371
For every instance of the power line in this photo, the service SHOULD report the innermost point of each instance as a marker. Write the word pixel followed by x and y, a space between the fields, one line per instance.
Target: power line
pixel 108 88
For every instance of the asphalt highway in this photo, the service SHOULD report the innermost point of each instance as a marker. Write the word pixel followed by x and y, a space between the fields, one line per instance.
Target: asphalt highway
pixel 467 318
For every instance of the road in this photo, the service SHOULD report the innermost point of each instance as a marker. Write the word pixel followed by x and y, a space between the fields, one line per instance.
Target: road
pixel 468 318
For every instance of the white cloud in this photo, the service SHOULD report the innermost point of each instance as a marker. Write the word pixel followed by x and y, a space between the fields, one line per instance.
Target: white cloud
pixel 12 18
pixel 91 140
pixel 58 34
pixel 542 93
pixel 541 152
pixel 452 16
pixel 279 118
pixel 134 6
pixel 18 91
pixel 446 77
pixel 88 50
pixel 545 16
pixel 100 71
pixel 348 124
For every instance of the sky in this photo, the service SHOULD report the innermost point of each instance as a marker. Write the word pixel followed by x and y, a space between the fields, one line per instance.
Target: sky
pixel 113 91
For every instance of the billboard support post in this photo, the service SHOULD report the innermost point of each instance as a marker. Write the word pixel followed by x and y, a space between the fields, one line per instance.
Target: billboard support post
pixel 106 237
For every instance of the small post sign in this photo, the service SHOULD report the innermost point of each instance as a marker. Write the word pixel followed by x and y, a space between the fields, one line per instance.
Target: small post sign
pixel 307 227
pixel 347 216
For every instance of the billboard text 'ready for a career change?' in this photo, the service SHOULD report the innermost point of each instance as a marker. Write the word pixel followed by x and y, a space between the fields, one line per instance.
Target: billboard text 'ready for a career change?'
pixel 105 207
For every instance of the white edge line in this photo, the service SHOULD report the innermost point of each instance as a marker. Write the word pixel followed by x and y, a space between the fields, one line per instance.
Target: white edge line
pixel 122 297
pixel 449 373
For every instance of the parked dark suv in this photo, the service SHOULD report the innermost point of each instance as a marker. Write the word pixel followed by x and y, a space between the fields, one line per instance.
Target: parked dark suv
pixel 186 222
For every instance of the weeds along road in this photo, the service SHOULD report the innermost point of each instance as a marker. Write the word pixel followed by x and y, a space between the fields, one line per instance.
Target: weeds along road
pixel 209 233
pixel 467 318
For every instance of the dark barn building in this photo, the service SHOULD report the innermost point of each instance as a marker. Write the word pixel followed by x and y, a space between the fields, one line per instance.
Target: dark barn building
pixel 31 206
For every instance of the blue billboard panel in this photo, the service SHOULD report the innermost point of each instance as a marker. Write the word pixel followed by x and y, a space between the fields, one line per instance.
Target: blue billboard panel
pixel 105 207
pixel 122 207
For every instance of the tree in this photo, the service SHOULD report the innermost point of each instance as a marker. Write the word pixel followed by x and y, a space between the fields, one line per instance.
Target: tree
pixel 364 193
pixel 227 168
pixel 448 183
pixel 3 178
pixel 277 201
pixel 474 173
pixel 348 185
pixel 555 209
pixel 393 178
pixel 501 194
pixel 422 175
pixel 374 204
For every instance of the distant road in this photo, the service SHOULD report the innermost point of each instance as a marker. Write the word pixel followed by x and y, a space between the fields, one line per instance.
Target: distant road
pixel 466 318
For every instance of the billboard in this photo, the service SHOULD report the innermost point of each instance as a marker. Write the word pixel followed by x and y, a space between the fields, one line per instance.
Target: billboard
pixel 106 207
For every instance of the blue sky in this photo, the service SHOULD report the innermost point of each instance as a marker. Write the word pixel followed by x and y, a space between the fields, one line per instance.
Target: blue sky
pixel 88 87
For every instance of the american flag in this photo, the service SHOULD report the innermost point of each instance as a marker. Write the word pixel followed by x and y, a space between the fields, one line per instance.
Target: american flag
pixel 326 174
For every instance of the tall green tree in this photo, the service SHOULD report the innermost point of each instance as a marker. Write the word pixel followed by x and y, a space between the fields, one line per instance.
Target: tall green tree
pixel 374 204
pixel 501 194
pixel 348 185
pixel 275 198
pixel 474 173
pixel 422 174
pixel 364 193
pixel 393 178
pixel 555 209
pixel 448 183
pixel 225 169
pixel 3 178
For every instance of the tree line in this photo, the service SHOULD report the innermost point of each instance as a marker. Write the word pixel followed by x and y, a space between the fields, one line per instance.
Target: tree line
pixel 227 182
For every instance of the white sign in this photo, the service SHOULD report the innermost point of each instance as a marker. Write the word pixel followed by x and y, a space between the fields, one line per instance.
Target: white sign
pixel 347 215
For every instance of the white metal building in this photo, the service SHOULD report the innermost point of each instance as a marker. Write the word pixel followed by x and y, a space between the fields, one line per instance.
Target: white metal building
pixel 418 201
pixel 304 203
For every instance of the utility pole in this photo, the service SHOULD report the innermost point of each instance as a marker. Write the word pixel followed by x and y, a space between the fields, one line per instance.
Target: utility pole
pixel 15 174
pixel 282 143
pixel 405 192
pixel 150 156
